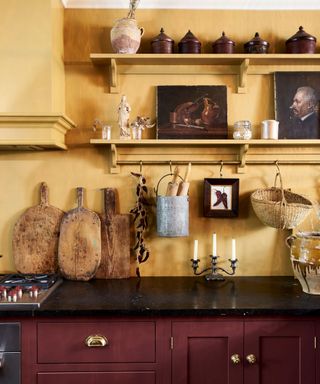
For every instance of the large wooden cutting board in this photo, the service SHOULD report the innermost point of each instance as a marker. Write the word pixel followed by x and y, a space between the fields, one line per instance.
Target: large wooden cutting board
pixel 115 240
pixel 35 237
pixel 80 242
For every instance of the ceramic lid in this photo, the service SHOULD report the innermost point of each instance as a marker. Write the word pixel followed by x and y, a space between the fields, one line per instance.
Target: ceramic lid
pixel 189 36
pixel 162 37
pixel 223 39
pixel 256 41
pixel 301 35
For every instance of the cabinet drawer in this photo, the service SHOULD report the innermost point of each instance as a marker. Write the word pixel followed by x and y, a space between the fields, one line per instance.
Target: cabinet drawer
pixel 97 378
pixel 126 342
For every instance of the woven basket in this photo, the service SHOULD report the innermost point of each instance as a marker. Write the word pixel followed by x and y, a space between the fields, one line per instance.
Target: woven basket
pixel 280 208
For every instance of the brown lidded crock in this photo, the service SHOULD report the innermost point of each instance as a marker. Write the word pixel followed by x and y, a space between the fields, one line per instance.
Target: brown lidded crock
pixel 301 42
pixel 256 45
pixel 223 45
pixel 162 43
pixel 189 44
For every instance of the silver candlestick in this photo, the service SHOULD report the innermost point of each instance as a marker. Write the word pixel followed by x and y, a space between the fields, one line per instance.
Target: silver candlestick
pixel 214 275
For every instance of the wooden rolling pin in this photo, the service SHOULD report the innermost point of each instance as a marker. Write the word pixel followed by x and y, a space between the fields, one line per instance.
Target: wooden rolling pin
pixel 173 185
pixel 184 185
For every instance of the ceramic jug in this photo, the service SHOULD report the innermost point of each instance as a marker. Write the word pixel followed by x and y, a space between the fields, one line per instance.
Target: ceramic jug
pixel 126 36
pixel 269 129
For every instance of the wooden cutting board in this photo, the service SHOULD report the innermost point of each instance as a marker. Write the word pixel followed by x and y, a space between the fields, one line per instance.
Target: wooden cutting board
pixel 115 240
pixel 35 237
pixel 80 242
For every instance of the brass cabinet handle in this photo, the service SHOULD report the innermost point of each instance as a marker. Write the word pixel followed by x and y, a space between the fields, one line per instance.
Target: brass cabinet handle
pixel 96 341
pixel 235 359
pixel 251 359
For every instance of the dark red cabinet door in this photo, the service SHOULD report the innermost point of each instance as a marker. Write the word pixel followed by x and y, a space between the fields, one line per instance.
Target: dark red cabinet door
pixel 284 352
pixel 202 352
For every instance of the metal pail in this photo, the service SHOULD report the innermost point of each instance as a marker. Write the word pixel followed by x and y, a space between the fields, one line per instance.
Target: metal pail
pixel 172 215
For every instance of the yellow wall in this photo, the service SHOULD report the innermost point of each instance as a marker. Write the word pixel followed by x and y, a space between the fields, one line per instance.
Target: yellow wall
pixel 261 250
pixel 31 48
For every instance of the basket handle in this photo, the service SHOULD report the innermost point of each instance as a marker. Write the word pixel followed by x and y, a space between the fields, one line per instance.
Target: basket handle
pixel 166 175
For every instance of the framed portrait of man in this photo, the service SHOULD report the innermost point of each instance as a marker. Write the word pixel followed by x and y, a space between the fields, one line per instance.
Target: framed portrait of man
pixel 297 98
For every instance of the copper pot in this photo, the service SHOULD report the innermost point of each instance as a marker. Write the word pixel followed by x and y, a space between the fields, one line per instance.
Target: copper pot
pixel 301 42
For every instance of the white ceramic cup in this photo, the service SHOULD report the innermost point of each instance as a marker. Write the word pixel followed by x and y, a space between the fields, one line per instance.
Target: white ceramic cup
pixel 269 129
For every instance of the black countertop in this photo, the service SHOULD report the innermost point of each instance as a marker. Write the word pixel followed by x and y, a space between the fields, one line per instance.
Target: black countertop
pixel 181 296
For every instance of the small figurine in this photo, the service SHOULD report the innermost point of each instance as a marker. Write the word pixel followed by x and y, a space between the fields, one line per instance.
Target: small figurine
pixel 124 110
pixel 138 125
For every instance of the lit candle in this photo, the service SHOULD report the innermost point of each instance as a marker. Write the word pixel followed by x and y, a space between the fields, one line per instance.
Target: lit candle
pixel 214 244
pixel 195 250
pixel 233 250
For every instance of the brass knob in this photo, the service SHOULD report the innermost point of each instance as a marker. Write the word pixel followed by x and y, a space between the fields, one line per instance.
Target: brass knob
pixel 251 359
pixel 235 358
pixel 96 341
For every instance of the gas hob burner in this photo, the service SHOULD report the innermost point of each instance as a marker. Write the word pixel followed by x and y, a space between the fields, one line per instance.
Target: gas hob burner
pixel 43 281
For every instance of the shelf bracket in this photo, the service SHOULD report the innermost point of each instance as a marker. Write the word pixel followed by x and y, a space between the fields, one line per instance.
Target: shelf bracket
pixel 242 88
pixel 114 77
pixel 243 154
pixel 114 168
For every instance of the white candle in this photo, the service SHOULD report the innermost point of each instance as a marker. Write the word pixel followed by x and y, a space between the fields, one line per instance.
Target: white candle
pixel 233 250
pixel 214 244
pixel 195 250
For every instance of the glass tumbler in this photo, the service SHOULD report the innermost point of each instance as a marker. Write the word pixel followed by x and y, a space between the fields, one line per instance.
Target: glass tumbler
pixel 242 130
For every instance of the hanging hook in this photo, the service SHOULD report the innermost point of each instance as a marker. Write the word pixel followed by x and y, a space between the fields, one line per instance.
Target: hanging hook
pixel 140 166
pixel 170 165
pixel 221 166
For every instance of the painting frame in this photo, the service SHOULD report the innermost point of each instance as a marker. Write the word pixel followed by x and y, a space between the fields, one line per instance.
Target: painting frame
pixel 296 103
pixel 191 112
pixel 221 197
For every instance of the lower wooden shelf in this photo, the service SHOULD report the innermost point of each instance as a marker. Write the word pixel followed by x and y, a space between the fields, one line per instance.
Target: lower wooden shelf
pixel 229 151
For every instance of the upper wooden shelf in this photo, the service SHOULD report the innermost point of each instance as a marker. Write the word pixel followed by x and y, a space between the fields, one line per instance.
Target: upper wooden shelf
pixel 229 151
pixel 235 64
pixel 33 132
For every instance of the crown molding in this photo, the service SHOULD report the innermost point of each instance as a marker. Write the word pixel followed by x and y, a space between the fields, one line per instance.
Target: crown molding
pixel 200 4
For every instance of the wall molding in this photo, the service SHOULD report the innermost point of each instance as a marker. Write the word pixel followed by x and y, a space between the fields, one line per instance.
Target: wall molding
pixel 200 4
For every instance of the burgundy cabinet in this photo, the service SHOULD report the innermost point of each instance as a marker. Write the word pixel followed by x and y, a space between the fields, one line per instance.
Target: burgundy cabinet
pixel 243 352
pixel 103 350
pixel 207 352
pixel 279 352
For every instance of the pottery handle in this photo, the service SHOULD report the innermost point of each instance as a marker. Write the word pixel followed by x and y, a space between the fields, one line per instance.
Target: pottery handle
pixel 141 31
pixel 289 240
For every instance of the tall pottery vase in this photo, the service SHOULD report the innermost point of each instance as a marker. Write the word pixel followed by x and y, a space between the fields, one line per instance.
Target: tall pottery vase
pixel 126 36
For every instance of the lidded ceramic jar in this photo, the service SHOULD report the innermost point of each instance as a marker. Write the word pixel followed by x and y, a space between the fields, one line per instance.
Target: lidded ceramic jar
pixel 301 42
pixel 223 45
pixel 256 45
pixel 162 43
pixel 189 44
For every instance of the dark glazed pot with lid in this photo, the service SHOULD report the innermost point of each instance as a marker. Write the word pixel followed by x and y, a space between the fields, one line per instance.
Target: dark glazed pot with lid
pixel 301 42
pixel 162 43
pixel 256 45
pixel 189 44
pixel 223 45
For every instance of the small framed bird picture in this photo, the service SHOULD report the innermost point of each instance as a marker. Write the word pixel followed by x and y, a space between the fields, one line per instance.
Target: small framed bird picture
pixel 221 197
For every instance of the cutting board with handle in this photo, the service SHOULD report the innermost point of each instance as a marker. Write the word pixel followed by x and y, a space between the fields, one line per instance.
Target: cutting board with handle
pixel 115 240
pixel 35 237
pixel 79 252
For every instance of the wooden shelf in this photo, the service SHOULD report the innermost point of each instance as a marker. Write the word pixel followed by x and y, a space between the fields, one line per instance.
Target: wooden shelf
pixel 241 65
pixel 235 152
pixel 33 132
